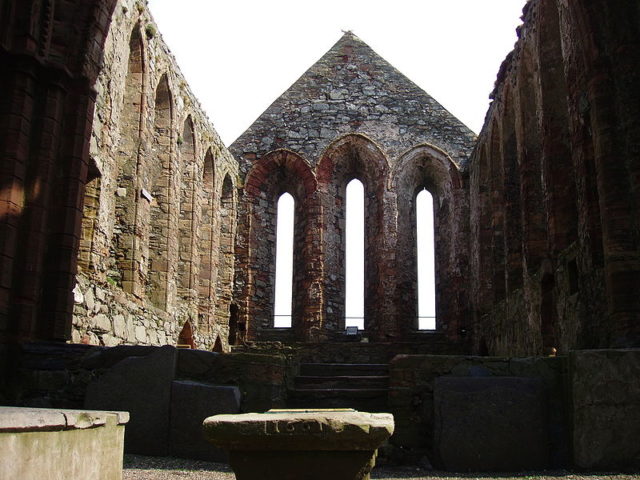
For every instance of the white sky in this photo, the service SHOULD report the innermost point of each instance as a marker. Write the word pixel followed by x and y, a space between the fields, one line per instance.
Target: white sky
pixel 240 55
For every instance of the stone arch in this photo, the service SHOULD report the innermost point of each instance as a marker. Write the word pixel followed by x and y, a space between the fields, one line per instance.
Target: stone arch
pixel 275 173
pixel 224 279
pixel 126 194
pixel 49 120
pixel 427 167
pixel 208 244
pixel 353 156
pixel 186 224
pixel 156 201
pixel 186 337
pixel 217 345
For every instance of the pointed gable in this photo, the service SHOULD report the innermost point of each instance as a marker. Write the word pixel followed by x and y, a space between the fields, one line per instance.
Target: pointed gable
pixel 351 89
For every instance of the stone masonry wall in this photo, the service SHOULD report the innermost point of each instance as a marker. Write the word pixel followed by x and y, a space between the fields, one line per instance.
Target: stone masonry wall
pixel 353 116
pixel 160 208
pixel 554 243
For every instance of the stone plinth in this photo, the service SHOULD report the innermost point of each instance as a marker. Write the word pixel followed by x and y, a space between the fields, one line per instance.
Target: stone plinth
pixel 295 444
pixel 61 444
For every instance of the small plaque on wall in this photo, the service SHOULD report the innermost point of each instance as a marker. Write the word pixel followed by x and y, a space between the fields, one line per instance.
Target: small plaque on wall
pixel 144 193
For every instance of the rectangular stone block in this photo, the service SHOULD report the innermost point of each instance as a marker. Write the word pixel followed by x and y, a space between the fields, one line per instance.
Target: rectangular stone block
pixel 605 386
pixel 69 444
pixel 490 424
pixel 140 385
pixel 191 403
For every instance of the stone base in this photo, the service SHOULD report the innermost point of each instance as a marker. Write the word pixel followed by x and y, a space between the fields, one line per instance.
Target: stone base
pixel 70 444
pixel 316 465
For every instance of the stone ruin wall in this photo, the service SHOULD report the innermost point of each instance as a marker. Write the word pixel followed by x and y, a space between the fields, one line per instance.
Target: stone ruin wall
pixel 553 214
pixel 156 245
pixel 352 115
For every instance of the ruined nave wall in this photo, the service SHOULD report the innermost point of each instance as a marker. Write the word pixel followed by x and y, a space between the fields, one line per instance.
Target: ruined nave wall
pixel 554 203
pixel 159 212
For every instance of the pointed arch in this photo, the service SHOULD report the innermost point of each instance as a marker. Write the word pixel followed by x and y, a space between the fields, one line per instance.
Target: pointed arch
pixel 158 178
pixel 227 212
pixel 186 226
pixel 272 175
pixel 353 156
pixel 207 242
pixel 427 167
pixel 125 250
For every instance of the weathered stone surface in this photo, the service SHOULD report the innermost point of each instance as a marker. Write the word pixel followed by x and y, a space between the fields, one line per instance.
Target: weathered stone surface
pixel 191 403
pixel 142 387
pixel 47 443
pixel 605 386
pixel 301 444
pixel 490 424
pixel 352 115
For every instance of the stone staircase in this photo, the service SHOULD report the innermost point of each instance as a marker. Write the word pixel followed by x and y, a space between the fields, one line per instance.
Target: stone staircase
pixel 363 387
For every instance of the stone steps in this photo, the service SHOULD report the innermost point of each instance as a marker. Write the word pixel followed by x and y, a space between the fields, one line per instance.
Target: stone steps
pixel 346 382
pixel 344 369
pixel 363 387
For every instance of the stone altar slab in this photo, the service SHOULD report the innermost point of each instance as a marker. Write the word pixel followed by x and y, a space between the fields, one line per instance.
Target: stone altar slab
pixel 301 444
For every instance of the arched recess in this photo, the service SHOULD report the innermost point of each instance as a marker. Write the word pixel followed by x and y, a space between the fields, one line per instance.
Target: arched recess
pixel 354 156
pixel 497 209
pixel 481 229
pixel 278 172
pixel 186 225
pixel 207 244
pixel 558 169
pixel 428 167
pixel 90 212
pixel 226 250
pixel 156 200
pixel 534 222
pixel 512 200
pixel 128 154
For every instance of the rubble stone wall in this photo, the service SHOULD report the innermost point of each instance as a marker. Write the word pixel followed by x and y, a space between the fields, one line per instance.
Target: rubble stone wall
pixel 161 205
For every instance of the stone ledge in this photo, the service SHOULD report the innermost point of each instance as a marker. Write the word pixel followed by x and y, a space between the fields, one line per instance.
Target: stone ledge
pixel 19 419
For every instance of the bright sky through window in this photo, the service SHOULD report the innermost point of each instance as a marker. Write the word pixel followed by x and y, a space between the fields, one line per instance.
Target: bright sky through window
pixel 284 262
pixel 426 271
pixel 354 241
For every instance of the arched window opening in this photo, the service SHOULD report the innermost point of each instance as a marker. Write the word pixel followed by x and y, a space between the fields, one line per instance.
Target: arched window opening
pixel 284 262
pixel 354 255
pixel 426 261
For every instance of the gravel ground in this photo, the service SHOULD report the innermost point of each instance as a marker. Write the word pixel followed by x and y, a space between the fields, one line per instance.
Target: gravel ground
pixel 137 467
